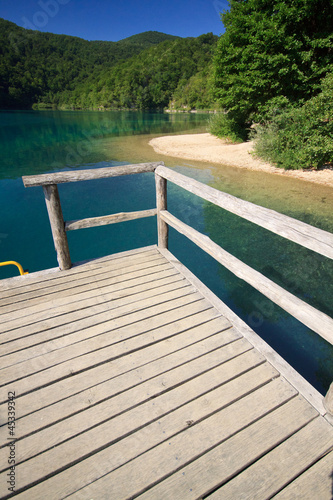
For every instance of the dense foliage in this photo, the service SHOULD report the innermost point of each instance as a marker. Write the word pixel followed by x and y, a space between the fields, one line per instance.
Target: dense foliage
pixel 33 64
pixel 60 71
pixel 148 80
pixel 300 137
pixel 268 70
pixel 272 48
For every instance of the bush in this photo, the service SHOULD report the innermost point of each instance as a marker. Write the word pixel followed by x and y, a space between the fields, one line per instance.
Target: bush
pixel 300 137
pixel 225 127
pixel 271 109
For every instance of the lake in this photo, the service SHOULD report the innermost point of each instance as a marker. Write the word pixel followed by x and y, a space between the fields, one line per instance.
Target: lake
pixel 35 142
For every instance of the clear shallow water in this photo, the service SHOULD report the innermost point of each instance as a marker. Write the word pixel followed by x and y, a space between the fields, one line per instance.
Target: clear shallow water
pixel 36 142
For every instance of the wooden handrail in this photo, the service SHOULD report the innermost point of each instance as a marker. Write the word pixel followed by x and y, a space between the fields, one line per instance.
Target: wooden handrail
pixel 308 236
pixel 88 174
pixel 299 232
pixel 308 315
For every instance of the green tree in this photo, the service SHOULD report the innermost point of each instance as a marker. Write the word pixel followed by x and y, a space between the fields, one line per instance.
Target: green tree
pixel 271 48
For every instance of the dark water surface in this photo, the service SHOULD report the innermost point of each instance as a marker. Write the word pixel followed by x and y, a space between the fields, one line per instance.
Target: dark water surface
pixel 38 142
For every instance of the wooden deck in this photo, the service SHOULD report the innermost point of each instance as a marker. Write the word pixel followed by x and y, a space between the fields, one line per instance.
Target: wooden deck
pixel 129 381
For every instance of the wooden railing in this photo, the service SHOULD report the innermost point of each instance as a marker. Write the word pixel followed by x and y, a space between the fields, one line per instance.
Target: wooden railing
pixel 52 199
pixel 308 236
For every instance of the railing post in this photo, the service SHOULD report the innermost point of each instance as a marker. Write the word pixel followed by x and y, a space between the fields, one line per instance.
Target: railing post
pixel 161 204
pixel 57 226
pixel 328 401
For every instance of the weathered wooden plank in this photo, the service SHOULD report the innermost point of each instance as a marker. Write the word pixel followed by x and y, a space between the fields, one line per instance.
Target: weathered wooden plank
pixel 125 406
pixel 308 315
pixel 182 322
pixel 315 482
pixel 308 236
pixel 67 369
pixel 175 452
pixel 108 219
pixel 160 429
pixel 59 306
pixel 124 373
pixel 289 373
pixel 72 277
pixel 232 456
pixel 89 281
pixel 88 290
pixel 161 204
pixel 274 471
pixel 88 174
pixel 49 359
pixel 78 344
pixel 121 284
pixel 97 321
pixel 53 206
pixel 13 286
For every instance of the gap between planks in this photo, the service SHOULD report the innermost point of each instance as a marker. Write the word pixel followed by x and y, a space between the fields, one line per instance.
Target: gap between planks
pixel 140 392
pixel 70 282
pixel 161 421
pixel 48 275
pixel 160 448
pixel 177 287
pixel 135 313
pixel 188 331
pixel 92 289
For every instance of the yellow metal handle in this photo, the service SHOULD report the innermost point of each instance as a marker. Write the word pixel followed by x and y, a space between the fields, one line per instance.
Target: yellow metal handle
pixel 12 262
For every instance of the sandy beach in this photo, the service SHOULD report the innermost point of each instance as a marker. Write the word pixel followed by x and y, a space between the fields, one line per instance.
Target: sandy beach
pixel 208 148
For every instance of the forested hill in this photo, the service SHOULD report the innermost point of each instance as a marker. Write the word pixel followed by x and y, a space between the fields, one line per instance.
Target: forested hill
pixel 172 73
pixel 60 71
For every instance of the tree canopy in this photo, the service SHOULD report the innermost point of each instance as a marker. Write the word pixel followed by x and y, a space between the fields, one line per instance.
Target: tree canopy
pixel 151 79
pixel 59 71
pixel 272 48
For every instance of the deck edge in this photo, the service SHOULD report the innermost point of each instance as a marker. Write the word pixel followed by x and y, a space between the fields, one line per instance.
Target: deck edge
pixel 21 280
pixel 286 370
pixel 115 255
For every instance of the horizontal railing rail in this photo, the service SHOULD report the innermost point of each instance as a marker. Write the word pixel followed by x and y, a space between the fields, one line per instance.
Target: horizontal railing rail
pixel 299 232
pixel 88 174
pixel 108 219
pixel 308 315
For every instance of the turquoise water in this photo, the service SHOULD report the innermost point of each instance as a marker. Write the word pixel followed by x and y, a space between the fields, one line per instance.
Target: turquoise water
pixel 37 142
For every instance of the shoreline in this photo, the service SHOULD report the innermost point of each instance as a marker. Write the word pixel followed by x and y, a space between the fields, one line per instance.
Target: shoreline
pixel 208 148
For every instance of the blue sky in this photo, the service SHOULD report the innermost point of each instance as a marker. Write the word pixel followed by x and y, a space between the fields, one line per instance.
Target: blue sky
pixel 115 20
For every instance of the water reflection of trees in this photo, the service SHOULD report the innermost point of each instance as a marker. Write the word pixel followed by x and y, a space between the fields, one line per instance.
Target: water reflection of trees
pixel 35 142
